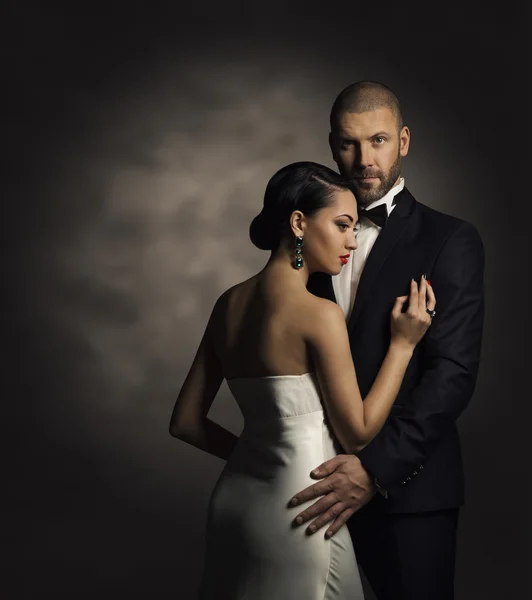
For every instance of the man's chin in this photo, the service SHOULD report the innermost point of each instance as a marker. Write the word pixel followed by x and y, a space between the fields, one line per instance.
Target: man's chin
pixel 365 199
pixel 370 189
pixel 369 183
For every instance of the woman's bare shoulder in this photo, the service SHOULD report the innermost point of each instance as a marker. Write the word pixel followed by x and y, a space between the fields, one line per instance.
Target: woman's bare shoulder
pixel 322 317
pixel 226 299
pixel 321 305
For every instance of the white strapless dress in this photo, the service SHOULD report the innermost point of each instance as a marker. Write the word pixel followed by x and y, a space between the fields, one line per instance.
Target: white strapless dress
pixel 253 551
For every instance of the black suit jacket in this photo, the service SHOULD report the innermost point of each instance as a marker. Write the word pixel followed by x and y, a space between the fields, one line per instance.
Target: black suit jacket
pixel 417 456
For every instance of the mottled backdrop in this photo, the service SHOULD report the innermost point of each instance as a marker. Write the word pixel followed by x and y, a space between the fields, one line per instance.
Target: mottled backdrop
pixel 140 140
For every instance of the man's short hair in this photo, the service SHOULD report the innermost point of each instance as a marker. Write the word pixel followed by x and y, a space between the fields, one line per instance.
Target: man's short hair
pixel 364 96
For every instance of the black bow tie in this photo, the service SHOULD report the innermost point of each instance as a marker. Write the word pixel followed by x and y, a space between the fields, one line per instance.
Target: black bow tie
pixel 378 215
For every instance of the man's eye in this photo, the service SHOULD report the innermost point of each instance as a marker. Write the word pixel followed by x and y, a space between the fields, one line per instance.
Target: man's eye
pixel 380 139
pixel 346 143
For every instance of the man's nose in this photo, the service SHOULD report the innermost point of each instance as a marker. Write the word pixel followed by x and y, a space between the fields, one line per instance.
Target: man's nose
pixel 364 157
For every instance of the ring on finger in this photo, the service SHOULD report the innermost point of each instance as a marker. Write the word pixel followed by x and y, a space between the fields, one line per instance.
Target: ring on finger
pixel 432 313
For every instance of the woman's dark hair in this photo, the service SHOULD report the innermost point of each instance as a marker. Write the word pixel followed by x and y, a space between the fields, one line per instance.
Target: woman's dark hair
pixel 304 186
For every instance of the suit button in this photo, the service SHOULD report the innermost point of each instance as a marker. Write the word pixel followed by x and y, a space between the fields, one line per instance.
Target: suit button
pixel 403 482
pixel 408 479
pixel 414 473
pixel 420 467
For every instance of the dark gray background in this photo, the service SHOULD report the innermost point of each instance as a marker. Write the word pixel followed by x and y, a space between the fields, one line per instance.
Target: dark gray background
pixel 139 142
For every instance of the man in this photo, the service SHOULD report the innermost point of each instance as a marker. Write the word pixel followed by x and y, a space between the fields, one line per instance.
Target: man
pixel 403 491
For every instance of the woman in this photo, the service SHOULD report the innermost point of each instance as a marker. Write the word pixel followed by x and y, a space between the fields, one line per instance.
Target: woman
pixel 286 357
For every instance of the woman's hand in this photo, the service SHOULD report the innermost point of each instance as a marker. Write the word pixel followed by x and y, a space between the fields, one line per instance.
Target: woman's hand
pixel 408 328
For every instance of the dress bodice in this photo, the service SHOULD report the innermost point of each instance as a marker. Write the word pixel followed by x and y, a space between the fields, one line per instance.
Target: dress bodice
pixel 273 397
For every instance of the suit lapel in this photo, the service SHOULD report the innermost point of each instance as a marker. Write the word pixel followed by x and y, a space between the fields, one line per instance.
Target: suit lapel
pixel 384 244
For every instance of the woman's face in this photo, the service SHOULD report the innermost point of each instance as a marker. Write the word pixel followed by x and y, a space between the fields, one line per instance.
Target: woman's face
pixel 329 235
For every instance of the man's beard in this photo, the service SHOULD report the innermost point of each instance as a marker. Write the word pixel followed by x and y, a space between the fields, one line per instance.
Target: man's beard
pixel 366 196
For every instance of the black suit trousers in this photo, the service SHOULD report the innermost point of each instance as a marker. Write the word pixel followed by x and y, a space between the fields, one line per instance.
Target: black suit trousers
pixel 407 556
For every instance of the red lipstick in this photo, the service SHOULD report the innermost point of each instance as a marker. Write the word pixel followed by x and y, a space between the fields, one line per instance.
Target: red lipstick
pixel 344 258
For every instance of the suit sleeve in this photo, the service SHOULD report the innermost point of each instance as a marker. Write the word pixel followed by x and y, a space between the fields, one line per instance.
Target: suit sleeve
pixel 450 354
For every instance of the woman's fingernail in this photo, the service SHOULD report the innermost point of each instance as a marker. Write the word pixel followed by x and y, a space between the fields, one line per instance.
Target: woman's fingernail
pixel 424 276
pixel 312 528
pixel 315 472
pixel 299 520
pixel 293 501
pixel 428 281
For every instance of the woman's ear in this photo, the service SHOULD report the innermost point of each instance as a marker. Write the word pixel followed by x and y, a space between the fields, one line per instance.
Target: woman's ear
pixel 298 222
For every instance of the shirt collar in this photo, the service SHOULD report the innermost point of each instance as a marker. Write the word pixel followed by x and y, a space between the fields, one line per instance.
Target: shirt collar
pixel 388 198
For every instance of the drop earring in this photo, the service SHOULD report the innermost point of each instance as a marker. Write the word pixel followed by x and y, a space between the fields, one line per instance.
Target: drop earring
pixel 298 263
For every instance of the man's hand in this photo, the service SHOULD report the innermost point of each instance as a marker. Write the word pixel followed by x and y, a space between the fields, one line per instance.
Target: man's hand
pixel 345 487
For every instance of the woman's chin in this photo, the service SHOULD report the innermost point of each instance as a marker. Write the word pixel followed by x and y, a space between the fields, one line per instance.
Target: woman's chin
pixel 327 269
pixel 332 271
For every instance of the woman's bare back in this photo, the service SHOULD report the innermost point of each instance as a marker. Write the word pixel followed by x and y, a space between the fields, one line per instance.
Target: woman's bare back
pixel 259 327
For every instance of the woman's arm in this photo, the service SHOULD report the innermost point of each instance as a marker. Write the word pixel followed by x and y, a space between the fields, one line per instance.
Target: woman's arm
pixel 189 420
pixel 356 422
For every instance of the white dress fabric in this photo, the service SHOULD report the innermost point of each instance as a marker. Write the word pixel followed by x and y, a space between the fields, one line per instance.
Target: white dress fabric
pixel 253 551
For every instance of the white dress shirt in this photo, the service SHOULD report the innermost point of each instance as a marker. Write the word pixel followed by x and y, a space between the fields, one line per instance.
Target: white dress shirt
pixel 345 284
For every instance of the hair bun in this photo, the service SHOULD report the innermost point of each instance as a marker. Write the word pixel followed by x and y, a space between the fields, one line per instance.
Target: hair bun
pixel 263 233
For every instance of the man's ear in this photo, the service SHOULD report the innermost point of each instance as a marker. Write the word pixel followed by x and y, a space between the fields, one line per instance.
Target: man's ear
pixel 404 141
pixel 332 147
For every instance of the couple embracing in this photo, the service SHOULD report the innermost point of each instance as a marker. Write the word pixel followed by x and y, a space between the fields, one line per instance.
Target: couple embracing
pixel 349 377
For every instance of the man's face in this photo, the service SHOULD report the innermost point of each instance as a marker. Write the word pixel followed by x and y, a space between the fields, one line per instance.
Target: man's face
pixel 368 149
